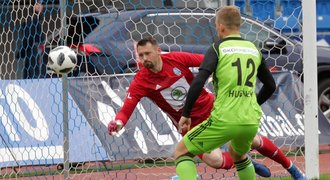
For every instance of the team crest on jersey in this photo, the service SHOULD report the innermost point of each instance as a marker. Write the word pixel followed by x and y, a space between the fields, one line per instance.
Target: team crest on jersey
pixel 177 71
pixel 179 93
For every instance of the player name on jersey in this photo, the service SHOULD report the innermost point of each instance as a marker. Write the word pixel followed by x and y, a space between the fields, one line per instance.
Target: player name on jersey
pixel 240 93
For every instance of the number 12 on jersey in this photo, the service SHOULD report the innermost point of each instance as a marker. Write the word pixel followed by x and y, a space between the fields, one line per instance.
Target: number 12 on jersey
pixel 249 64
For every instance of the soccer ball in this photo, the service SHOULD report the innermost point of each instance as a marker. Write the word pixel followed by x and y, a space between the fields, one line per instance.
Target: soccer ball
pixel 62 60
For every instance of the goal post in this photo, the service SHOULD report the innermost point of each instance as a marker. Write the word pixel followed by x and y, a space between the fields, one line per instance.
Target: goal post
pixel 310 89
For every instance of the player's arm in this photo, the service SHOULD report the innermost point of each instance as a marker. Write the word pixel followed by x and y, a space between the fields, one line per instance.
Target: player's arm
pixel 132 98
pixel 269 85
pixel 207 67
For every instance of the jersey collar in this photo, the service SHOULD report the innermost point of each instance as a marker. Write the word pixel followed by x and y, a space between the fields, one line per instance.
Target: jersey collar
pixel 233 35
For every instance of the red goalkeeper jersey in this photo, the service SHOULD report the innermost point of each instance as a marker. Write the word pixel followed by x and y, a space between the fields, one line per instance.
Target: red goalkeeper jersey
pixel 168 89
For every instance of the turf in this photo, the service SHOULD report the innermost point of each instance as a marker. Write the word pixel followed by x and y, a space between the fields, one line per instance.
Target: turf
pixel 322 177
pixel 133 165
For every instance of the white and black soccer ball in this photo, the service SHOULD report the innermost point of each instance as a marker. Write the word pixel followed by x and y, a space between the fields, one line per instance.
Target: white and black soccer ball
pixel 62 60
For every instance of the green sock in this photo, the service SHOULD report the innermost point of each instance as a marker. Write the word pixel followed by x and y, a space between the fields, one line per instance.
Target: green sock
pixel 245 169
pixel 186 168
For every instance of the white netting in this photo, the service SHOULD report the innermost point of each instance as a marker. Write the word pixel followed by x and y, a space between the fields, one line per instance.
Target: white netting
pixel 103 34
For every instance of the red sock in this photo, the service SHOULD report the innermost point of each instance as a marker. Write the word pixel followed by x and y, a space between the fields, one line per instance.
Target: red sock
pixel 227 162
pixel 200 156
pixel 269 149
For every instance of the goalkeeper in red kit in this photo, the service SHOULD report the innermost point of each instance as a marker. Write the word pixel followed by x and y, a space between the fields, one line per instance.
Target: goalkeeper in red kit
pixel 165 79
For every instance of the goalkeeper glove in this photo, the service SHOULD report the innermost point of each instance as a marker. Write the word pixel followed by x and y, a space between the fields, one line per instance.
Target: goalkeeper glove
pixel 114 126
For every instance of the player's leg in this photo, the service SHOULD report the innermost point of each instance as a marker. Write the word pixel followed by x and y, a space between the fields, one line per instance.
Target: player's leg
pixel 205 137
pixel 217 159
pixel 184 162
pixel 267 148
pixel 221 160
pixel 240 145
pixel 244 167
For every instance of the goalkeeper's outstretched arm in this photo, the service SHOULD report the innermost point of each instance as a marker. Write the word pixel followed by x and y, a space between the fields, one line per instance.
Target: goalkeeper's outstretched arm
pixel 132 98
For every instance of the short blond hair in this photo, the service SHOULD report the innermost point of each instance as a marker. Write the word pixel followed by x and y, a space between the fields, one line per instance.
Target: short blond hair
pixel 229 16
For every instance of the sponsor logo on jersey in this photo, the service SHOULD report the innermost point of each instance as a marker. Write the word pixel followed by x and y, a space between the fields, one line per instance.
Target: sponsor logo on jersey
pixel 177 71
pixel 242 50
pixel 179 93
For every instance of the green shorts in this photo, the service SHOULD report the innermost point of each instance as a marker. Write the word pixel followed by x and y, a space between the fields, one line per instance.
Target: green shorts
pixel 212 134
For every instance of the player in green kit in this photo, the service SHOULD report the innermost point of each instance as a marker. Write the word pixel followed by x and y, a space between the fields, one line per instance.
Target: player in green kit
pixel 235 63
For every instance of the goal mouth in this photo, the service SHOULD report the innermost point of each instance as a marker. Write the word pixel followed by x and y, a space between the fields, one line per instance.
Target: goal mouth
pixel 103 35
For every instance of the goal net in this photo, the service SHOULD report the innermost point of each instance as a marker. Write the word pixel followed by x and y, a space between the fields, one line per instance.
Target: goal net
pixel 104 35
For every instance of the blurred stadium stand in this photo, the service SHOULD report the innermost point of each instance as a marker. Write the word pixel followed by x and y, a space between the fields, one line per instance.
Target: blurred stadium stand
pixel 241 5
pixel 291 7
pixel 263 9
pixel 286 14
pixel 287 24
pixel 323 23
pixel 323 15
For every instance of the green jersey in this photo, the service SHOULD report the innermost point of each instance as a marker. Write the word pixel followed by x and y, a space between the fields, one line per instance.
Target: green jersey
pixel 235 82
